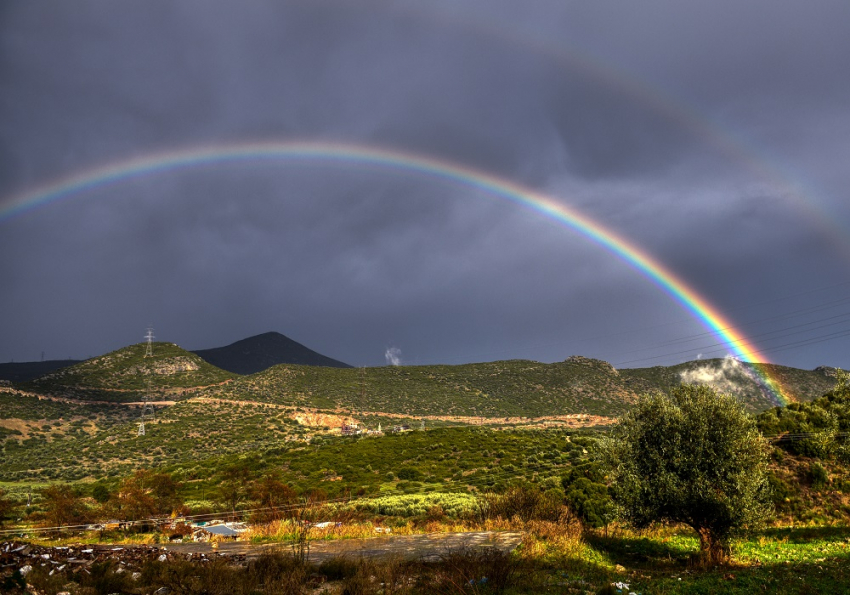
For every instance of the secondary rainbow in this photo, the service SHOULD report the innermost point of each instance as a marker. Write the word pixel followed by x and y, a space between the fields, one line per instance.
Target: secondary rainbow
pixel 495 186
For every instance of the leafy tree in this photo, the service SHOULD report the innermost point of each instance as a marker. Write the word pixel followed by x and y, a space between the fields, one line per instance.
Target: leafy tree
pixel 6 506
pixel 271 496
pixel 62 505
pixel 233 486
pixel 143 495
pixel 100 493
pixel 694 457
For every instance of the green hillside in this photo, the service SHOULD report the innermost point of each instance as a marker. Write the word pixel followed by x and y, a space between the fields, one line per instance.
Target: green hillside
pixel 218 413
pixel 124 375
pixel 510 388
pixel 730 376
pixel 494 389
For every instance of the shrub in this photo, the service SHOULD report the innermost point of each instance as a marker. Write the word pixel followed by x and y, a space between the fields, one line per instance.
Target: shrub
pixel 526 503
pixel 339 568
pixel 780 490
pixel 453 505
pixel 471 571
pixel 818 476
pixel 409 474
pixel 591 502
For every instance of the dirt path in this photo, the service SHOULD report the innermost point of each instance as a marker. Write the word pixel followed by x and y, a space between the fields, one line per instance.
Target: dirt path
pixel 571 420
pixel 429 546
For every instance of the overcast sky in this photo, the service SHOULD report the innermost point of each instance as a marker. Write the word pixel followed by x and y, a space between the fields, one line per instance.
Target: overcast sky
pixel 715 136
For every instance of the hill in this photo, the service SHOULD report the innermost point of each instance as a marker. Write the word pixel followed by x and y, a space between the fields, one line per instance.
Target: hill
pixel 261 352
pixel 124 375
pixel 508 388
pixel 218 413
pixel 493 389
pixel 730 376
pixel 25 371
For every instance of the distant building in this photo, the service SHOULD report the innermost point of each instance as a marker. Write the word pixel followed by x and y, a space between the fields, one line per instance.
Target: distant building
pixel 350 429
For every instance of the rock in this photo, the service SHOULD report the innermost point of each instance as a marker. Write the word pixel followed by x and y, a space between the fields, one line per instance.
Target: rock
pixel 162 591
pixel 25 570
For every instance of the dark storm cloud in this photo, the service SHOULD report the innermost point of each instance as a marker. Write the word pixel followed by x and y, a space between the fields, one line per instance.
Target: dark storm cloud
pixel 650 117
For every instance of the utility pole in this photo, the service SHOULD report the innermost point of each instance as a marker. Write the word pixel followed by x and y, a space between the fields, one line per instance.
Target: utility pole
pixel 147 410
pixel 149 348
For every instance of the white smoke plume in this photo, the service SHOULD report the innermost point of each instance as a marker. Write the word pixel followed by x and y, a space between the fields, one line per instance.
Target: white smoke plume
pixel 393 356
pixel 725 379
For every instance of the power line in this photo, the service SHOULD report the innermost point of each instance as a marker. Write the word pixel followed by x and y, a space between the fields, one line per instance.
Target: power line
pixel 721 347
pixel 785 316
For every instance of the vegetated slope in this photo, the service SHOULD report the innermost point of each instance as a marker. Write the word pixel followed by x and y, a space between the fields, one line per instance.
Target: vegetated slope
pixel 732 377
pixel 818 428
pixel 509 388
pixel 24 371
pixel 261 352
pixel 493 389
pixel 124 375
pixel 69 441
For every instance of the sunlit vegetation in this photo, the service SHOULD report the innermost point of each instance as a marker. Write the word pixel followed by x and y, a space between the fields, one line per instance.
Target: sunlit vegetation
pixel 126 375
pixel 239 446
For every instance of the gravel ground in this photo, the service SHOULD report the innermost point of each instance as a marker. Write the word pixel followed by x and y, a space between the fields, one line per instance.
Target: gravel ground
pixel 15 555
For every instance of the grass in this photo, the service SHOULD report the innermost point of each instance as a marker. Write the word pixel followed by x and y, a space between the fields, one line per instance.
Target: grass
pixel 560 557
pixel 777 561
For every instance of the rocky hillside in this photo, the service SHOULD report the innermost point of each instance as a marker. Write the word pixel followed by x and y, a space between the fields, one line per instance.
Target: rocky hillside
pixel 127 374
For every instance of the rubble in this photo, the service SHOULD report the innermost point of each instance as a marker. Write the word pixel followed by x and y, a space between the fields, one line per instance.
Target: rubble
pixel 70 560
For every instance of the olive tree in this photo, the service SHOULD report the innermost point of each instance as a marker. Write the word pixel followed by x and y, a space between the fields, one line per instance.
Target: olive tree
pixel 693 457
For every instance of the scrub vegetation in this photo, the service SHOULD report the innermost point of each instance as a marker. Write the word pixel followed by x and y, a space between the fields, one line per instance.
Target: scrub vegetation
pixel 255 448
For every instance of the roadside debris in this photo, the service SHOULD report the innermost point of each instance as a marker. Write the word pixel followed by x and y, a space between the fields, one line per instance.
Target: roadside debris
pixel 24 558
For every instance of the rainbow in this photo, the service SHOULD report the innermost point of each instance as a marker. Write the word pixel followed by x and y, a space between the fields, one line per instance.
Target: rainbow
pixel 650 267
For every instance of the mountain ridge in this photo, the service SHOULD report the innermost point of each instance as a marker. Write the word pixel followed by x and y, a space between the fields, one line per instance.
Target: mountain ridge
pixel 246 356
pixel 260 352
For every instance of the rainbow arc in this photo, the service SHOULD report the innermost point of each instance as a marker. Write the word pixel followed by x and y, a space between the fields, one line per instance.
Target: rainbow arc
pixel 698 306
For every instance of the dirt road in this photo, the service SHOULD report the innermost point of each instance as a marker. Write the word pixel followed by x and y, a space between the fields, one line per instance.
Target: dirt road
pixel 427 546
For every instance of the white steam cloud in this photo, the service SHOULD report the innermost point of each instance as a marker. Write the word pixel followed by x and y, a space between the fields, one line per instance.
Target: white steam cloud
pixel 725 377
pixel 393 356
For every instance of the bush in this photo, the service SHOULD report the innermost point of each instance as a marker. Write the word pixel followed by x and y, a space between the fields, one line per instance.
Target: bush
pixel 471 571
pixel 409 474
pixel 339 568
pixel 780 490
pixel 591 502
pixel 818 476
pixel 453 505
pixel 526 503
